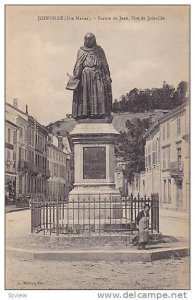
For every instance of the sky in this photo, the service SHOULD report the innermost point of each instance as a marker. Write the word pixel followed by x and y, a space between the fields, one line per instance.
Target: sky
pixel 141 53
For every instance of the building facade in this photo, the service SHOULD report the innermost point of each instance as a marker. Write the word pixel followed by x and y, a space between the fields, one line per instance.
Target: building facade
pixel 26 165
pixel 11 132
pixel 120 178
pixel 59 159
pixel 22 154
pixel 167 161
pixel 174 132
pixel 38 166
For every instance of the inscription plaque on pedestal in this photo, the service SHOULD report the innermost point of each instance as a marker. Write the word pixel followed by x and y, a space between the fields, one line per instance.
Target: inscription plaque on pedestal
pixel 94 163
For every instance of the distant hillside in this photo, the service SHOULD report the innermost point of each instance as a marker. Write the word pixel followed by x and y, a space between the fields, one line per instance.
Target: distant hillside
pixel 66 125
pixel 119 120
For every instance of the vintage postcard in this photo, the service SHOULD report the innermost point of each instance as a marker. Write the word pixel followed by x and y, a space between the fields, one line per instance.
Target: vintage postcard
pixel 97 150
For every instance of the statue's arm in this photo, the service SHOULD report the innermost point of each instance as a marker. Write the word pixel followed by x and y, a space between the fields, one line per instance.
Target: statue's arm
pixel 79 64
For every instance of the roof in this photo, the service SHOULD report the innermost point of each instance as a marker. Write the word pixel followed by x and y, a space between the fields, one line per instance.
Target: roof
pixel 17 109
pixel 168 116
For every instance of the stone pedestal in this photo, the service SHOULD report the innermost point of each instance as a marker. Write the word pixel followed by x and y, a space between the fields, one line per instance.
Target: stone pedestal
pixel 94 160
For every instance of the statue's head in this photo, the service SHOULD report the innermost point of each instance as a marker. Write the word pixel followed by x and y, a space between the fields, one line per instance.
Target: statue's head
pixel 89 40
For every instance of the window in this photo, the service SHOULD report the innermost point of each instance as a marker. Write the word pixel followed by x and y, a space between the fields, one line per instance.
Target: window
pixel 8 155
pixel 21 132
pixel 163 133
pixel 157 150
pixel 8 135
pixel 149 156
pixel 168 130
pixel 179 158
pixel 26 158
pixel 179 126
pixel 149 161
pixel 33 137
pixel 154 152
pixel 14 137
pixel 169 190
pixel 164 191
pixel 168 155
pixel 20 153
pixel 146 157
pixel 146 161
pixel 164 158
pixel 14 155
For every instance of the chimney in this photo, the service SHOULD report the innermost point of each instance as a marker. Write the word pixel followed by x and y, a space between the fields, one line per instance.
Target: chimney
pixel 15 102
pixel 27 109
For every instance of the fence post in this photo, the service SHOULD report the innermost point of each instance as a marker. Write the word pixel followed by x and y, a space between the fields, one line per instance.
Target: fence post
pixel 131 207
pixel 152 211
pixel 57 216
pixel 43 205
pixel 32 217
pixel 99 214
pixel 157 203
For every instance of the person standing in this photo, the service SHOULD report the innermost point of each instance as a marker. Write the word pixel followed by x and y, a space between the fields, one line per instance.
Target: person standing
pixel 143 227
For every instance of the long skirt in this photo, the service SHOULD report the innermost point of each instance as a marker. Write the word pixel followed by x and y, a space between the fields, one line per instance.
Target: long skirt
pixel 143 231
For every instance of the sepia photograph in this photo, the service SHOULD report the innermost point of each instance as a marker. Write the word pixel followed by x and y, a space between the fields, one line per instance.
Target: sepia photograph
pixel 97 149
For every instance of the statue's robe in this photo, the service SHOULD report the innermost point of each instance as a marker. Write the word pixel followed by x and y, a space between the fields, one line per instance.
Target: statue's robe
pixel 93 96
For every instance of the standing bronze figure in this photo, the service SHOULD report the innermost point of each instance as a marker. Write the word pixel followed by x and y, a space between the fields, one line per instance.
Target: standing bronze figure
pixel 91 82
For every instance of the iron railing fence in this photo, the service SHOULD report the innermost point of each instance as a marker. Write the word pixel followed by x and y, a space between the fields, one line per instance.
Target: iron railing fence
pixel 88 214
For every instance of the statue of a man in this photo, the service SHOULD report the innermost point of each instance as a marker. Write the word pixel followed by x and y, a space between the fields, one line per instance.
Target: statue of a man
pixel 92 97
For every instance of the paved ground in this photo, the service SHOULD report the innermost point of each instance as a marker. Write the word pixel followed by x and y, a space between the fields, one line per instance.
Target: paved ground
pixel 174 223
pixel 164 274
pixel 34 274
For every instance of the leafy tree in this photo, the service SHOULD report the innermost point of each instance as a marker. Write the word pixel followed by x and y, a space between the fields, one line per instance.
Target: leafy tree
pixel 182 91
pixel 131 146
pixel 166 97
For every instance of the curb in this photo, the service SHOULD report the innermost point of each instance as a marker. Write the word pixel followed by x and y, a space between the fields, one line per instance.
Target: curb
pixel 100 255
pixel 16 209
pixel 97 241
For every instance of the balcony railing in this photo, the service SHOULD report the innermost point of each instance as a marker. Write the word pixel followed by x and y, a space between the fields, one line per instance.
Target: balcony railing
pixel 176 169
pixel 47 173
pixel 40 170
pixel 22 165
pixel 33 168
